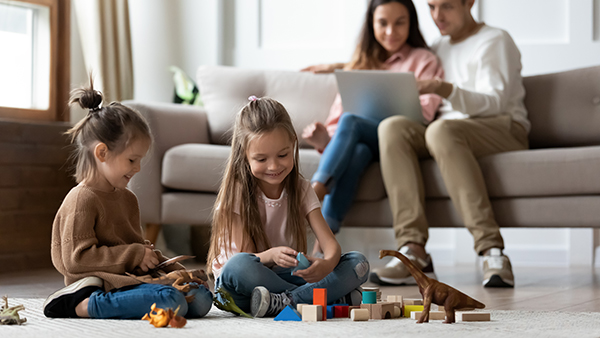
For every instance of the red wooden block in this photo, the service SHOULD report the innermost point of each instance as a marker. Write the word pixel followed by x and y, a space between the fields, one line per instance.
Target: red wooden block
pixel 320 298
pixel 340 311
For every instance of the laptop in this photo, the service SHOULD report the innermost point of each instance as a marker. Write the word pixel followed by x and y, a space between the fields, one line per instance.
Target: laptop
pixel 378 94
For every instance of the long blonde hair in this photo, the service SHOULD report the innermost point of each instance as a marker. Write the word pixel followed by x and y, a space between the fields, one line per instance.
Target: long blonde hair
pixel 239 186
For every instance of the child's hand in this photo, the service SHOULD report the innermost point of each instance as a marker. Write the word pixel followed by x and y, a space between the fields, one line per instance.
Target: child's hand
pixel 284 256
pixel 316 135
pixel 318 269
pixel 150 260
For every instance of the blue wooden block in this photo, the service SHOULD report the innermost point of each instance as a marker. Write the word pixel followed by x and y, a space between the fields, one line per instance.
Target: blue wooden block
pixel 289 314
pixel 303 262
pixel 330 311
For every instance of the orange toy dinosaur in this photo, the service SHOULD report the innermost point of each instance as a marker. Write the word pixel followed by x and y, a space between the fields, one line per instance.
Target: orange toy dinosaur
pixel 435 292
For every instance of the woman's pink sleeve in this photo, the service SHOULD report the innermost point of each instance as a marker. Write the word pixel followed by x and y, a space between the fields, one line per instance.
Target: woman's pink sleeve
pixel 431 69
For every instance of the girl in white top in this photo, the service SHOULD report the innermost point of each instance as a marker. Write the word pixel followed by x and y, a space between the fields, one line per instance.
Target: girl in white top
pixel 260 222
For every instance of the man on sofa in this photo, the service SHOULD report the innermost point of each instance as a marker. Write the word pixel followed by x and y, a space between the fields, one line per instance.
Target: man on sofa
pixel 483 113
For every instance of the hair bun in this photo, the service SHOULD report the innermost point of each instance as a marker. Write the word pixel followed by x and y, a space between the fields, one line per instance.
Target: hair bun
pixel 87 98
pixel 90 99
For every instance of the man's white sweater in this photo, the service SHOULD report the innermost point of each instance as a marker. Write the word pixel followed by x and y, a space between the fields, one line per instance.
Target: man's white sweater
pixel 485 70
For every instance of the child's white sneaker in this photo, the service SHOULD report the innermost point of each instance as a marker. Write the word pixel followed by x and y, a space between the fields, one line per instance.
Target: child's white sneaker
pixel 62 303
pixel 266 304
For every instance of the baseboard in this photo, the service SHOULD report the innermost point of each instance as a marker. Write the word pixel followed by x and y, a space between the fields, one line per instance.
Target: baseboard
pixel 25 261
pixel 370 241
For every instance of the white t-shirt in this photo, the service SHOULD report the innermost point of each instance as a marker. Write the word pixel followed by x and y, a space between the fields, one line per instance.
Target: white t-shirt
pixel 485 70
pixel 273 214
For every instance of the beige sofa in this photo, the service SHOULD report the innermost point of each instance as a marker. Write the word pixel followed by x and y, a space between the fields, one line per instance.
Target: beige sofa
pixel 554 184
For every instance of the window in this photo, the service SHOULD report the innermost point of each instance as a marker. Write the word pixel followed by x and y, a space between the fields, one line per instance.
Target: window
pixel 35 60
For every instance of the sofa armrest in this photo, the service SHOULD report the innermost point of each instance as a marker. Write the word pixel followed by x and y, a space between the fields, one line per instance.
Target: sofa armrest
pixel 171 125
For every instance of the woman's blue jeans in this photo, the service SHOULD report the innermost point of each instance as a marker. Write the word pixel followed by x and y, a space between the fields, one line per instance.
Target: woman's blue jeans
pixel 133 302
pixel 353 147
pixel 244 271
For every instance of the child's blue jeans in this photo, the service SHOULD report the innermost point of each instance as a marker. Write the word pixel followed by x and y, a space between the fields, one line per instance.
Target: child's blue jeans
pixel 133 302
pixel 352 148
pixel 244 271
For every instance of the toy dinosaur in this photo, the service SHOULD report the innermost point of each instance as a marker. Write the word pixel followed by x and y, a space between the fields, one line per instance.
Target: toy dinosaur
pixel 10 315
pixel 435 292
pixel 228 303
pixel 161 317
pixel 179 279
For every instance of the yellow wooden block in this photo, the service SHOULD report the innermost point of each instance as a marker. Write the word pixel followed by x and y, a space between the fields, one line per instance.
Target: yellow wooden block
pixel 410 308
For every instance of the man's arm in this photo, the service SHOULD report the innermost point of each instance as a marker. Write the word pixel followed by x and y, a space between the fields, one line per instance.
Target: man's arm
pixel 498 71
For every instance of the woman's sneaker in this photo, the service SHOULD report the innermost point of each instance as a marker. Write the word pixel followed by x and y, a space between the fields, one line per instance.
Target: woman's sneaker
pixel 396 273
pixel 497 271
pixel 62 303
pixel 266 304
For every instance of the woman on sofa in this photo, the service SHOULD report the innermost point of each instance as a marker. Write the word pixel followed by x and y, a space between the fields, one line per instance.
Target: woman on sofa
pixel 390 40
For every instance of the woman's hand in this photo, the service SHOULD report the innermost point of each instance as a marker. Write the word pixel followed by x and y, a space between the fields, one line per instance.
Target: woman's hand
pixel 283 256
pixel 318 269
pixel 316 135
pixel 150 260
pixel 322 69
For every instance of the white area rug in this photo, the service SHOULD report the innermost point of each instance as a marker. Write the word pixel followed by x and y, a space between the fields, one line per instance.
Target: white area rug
pixel 534 324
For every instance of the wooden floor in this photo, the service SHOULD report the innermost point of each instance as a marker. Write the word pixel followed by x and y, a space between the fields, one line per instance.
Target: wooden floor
pixel 560 289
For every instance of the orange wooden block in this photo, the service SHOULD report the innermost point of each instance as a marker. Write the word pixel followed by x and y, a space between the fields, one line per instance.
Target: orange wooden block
pixel 320 298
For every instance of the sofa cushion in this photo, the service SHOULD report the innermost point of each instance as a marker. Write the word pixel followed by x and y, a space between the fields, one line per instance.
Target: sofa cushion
pixel 564 108
pixel 225 90
pixel 527 173
pixel 200 167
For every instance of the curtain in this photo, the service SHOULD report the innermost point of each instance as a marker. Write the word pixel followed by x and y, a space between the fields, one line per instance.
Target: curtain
pixel 106 42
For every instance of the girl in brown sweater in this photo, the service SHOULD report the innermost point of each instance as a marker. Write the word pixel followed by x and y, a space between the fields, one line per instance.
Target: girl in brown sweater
pixel 96 235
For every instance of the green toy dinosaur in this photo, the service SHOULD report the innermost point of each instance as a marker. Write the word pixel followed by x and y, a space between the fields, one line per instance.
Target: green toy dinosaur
pixel 10 315
pixel 229 304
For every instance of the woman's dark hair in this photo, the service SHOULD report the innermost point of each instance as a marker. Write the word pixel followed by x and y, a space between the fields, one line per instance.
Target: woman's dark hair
pixel 114 124
pixel 369 54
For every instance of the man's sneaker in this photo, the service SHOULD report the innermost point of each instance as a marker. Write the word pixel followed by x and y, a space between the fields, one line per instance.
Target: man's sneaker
pixel 266 304
pixel 497 271
pixel 396 273
pixel 354 298
pixel 62 303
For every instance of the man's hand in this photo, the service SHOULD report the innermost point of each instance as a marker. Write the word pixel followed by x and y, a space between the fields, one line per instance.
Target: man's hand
pixel 434 86
pixel 150 260
pixel 284 256
pixel 318 269
pixel 316 135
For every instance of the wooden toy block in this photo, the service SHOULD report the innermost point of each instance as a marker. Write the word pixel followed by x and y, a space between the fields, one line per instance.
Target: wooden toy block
pixel 410 308
pixel 394 298
pixel 359 314
pixel 299 307
pixel 350 308
pixel 473 316
pixel 312 313
pixel 329 311
pixel 441 308
pixel 289 314
pixel 397 311
pixel 341 311
pixel 433 315
pixel 382 311
pixel 413 301
pixel 320 298
pixel 369 297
